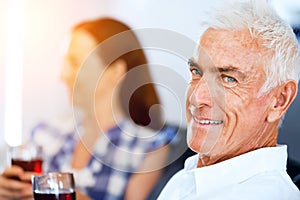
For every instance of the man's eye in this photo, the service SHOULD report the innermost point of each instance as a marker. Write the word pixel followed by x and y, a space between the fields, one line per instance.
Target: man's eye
pixel 195 71
pixel 229 79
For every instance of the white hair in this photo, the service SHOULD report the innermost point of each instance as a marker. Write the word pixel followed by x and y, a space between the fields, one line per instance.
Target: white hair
pixel 263 23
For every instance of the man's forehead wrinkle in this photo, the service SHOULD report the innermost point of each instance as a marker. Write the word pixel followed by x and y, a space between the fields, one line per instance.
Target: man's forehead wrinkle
pixel 223 46
pixel 216 39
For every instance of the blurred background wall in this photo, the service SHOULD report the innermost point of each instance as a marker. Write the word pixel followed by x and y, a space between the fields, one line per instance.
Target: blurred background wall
pixel 47 24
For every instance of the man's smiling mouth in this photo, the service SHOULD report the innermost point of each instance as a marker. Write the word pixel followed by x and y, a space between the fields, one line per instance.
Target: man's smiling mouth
pixel 207 122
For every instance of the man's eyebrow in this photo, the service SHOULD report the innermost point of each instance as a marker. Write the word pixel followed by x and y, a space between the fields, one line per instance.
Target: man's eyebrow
pixel 228 69
pixel 232 69
pixel 191 62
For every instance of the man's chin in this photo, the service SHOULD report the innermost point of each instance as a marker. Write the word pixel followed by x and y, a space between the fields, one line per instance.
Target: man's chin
pixel 194 142
pixel 200 143
pixel 200 149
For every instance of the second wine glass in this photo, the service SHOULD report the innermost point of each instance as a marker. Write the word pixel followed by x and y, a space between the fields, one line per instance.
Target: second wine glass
pixel 54 186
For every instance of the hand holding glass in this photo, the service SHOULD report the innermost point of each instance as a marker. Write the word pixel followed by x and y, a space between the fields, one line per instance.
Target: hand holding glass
pixel 54 186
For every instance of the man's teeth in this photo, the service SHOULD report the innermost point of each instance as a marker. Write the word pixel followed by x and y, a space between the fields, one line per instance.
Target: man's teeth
pixel 216 122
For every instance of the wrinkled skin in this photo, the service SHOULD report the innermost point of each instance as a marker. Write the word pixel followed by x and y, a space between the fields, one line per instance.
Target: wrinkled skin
pixel 225 112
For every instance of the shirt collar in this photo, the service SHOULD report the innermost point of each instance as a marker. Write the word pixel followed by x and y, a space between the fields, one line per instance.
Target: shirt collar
pixel 236 170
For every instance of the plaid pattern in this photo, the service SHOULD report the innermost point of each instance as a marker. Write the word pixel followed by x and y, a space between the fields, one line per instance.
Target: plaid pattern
pixel 116 156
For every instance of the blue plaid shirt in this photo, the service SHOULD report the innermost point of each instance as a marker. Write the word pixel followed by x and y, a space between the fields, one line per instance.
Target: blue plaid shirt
pixel 116 156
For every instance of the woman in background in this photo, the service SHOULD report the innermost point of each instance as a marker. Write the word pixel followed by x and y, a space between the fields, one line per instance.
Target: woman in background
pixel 120 147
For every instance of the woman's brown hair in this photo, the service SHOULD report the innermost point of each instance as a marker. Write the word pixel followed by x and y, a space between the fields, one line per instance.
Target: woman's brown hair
pixel 137 92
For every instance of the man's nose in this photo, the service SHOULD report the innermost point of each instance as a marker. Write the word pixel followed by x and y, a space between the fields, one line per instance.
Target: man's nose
pixel 201 94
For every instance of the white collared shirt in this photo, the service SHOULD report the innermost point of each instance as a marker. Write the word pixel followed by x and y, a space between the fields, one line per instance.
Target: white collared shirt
pixel 257 175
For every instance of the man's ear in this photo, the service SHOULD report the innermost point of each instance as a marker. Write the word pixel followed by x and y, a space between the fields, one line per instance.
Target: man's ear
pixel 283 98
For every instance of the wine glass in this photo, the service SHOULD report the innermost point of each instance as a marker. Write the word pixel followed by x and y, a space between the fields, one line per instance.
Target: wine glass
pixel 54 186
pixel 28 156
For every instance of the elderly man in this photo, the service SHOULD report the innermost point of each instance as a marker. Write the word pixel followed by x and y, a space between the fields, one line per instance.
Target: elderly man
pixel 243 80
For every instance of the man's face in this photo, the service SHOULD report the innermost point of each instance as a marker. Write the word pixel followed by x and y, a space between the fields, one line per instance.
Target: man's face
pixel 226 115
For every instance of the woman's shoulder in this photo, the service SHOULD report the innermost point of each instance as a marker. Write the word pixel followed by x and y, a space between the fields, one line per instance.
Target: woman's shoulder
pixel 52 136
pixel 152 139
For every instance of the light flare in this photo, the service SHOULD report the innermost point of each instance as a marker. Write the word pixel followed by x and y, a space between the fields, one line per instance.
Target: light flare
pixel 14 73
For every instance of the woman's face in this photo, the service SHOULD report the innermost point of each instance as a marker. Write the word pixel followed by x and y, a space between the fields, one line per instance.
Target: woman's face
pixel 81 68
pixel 88 79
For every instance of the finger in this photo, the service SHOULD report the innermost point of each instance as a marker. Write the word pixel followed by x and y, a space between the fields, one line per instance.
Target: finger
pixel 27 193
pixel 24 193
pixel 8 194
pixel 13 171
pixel 27 176
pixel 12 184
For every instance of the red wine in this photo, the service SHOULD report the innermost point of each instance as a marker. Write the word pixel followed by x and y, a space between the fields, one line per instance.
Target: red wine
pixel 31 165
pixel 61 196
